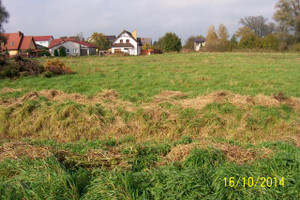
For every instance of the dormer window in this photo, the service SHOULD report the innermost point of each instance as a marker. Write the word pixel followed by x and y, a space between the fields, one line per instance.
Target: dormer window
pixel 12 43
pixel 121 41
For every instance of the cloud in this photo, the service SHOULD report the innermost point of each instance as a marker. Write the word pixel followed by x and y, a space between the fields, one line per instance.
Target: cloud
pixel 152 18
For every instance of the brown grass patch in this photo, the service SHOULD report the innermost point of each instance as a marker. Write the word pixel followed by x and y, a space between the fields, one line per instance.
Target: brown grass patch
pixel 168 95
pixel 16 150
pixel 239 100
pixel 234 154
pixel 178 153
pixel 93 158
pixel 7 90
pixel 241 155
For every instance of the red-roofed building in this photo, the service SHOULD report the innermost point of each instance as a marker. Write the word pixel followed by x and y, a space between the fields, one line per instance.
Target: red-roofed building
pixel 17 43
pixel 43 40
pixel 72 47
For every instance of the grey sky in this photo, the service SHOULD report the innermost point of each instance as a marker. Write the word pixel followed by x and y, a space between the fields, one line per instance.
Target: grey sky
pixel 151 18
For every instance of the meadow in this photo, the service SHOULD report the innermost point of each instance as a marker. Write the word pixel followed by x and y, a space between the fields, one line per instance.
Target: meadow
pixel 171 126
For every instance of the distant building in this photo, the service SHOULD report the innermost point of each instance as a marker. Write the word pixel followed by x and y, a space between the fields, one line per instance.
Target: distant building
pixel 199 43
pixel 127 42
pixel 43 40
pixel 17 44
pixel 72 47
pixel 146 41
pixel 111 38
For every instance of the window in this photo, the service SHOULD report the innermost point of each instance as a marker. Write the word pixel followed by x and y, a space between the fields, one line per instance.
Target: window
pixel 74 50
pixel 121 41
pixel 12 43
pixel 68 50
pixel 127 41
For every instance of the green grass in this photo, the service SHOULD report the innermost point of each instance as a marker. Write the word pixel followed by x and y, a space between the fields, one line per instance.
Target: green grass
pixel 140 78
pixel 200 176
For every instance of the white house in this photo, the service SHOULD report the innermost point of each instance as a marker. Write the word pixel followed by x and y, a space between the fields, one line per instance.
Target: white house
pixel 43 40
pixel 72 47
pixel 127 42
pixel 199 43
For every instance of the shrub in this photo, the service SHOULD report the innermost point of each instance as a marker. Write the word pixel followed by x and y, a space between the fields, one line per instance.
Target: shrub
pixel 62 52
pixel 43 53
pixel 57 67
pixel 294 47
pixel 19 67
pixel 56 53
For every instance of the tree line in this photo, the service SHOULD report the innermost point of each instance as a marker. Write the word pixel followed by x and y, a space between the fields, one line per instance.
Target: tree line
pixel 256 33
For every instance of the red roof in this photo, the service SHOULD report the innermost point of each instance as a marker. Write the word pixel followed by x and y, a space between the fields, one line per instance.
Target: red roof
pixel 42 38
pixel 17 41
pixel 27 43
pixel 56 42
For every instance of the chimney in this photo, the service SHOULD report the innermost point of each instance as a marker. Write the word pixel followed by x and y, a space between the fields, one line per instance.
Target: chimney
pixel 134 34
pixel 20 34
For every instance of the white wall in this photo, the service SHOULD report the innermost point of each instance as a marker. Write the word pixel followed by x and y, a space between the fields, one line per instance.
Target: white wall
pixel 69 46
pixel 44 43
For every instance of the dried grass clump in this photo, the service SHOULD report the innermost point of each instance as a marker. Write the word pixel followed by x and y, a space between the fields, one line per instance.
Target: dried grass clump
pixel 57 67
pixel 8 90
pixel 93 158
pixel 15 150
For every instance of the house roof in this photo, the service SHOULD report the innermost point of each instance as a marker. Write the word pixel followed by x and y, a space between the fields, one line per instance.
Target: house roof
pixel 17 41
pixel 42 38
pixel 111 37
pixel 122 45
pixel 26 43
pixel 199 40
pixel 130 35
pixel 85 44
pixel 56 42
pixel 146 40
pixel 13 40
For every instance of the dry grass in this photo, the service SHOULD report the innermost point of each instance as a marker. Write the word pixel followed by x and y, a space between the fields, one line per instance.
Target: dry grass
pixel 16 150
pixel 146 121
pixel 233 153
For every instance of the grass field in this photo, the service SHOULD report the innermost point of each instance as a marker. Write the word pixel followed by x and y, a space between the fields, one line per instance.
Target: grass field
pixel 172 126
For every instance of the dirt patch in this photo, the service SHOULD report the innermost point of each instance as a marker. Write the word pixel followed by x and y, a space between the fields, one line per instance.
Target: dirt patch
pixel 7 90
pixel 16 150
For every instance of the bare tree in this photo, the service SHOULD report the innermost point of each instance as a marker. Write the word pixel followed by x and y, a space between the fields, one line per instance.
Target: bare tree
pixel 259 25
pixel 288 16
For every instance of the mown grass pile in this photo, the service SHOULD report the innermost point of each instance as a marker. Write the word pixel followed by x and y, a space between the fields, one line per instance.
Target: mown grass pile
pixel 64 117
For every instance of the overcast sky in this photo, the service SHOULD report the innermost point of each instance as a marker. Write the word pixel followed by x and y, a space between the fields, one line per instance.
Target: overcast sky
pixel 151 18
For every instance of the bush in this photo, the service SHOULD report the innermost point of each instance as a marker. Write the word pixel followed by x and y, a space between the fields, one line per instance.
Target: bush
pixel 56 53
pixel 57 67
pixel 44 53
pixel 19 67
pixel 294 47
pixel 62 52
pixel 171 42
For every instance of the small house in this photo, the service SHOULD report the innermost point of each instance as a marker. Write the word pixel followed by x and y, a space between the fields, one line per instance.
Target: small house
pixel 128 43
pixel 72 47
